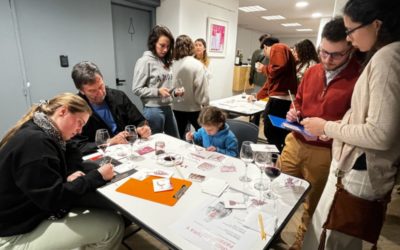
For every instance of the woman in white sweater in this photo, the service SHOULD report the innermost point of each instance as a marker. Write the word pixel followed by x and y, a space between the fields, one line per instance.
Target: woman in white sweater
pixel 366 146
pixel 191 74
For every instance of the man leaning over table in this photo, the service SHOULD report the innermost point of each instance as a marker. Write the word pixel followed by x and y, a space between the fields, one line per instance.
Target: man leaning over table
pixel 325 91
pixel 112 109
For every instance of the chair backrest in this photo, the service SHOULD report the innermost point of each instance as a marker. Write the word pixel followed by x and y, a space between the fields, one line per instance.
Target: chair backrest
pixel 244 131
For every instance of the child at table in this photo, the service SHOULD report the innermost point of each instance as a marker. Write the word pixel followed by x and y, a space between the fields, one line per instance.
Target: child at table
pixel 214 134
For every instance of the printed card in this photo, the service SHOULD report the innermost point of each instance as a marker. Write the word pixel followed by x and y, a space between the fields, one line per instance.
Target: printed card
pixel 234 200
pixel 197 177
pixel 227 169
pixel 162 184
pixel 145 150
pixel 270 148
pixel 205 166
pixel 161 173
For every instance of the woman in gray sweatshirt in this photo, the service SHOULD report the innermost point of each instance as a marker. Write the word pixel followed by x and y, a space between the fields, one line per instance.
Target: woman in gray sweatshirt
pixel 152 81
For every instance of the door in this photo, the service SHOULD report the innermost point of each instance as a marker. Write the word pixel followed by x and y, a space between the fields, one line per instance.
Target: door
pixel 131 27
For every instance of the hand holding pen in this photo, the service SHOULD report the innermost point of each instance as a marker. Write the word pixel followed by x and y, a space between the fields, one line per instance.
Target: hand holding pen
pixel 294 113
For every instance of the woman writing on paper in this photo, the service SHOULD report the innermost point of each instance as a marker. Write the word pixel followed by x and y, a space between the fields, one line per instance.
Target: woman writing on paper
pixel 366 147
pixel 40 186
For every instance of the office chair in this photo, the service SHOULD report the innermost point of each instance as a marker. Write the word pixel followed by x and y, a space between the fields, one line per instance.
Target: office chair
pixel 244 131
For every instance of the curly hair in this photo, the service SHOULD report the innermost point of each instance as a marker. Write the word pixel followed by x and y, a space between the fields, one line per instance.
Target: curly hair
pixel 155 34
pixel 306 51
pixel 183 47
pixel 211 116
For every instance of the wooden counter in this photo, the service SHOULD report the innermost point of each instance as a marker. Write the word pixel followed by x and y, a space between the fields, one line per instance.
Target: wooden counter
pixel 241 78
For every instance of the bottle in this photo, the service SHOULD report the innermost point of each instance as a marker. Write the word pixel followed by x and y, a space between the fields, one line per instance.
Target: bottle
pixel 237 58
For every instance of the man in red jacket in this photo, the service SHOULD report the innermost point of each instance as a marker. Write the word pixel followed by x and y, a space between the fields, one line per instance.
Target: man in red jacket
pixel 325 91
pixel 281 77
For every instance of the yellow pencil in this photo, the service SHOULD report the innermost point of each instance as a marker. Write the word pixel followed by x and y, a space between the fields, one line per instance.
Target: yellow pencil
pixel 261 222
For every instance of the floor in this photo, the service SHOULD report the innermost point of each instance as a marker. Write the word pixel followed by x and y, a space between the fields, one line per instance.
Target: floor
pixel 389 239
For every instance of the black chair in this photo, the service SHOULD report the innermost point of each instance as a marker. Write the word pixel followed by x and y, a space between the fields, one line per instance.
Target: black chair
pixel 244 131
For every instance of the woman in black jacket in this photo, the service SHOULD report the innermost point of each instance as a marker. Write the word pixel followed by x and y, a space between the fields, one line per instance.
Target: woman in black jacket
pixel 42 179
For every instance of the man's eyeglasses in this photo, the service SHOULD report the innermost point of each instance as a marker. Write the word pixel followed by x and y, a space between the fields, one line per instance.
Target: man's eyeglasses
pixel 334 55
pixel 350 31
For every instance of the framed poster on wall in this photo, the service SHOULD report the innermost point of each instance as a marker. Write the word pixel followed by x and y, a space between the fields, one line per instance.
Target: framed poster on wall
pixel 217 36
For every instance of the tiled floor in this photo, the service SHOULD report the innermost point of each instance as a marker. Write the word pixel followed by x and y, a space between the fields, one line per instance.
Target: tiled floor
pixel 389 239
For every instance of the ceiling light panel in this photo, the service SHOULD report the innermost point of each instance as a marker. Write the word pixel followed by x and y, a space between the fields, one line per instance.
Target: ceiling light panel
pixel 277 17
pixel 290 24
pixel 316 15
pixel 252 8
pixel 304 30
pixel 302 4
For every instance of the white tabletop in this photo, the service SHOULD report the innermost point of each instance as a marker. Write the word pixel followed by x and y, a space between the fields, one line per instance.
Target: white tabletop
pixel 239 104
pixel 158 219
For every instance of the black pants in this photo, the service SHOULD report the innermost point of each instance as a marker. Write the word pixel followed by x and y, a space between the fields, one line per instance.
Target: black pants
pixel 184 119
pixel 274 135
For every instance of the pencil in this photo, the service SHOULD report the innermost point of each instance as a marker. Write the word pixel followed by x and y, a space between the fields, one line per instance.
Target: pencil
pixel 294 107
pixel 261 222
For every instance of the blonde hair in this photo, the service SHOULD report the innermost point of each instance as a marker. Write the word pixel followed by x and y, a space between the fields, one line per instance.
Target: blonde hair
pixel 74 103
pixel 205 60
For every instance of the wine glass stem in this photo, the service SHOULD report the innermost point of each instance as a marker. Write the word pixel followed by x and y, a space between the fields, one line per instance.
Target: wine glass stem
pixel 245 171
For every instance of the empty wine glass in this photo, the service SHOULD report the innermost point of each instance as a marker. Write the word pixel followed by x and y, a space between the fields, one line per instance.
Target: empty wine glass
pixel 179 91
pixel 246 155
pixel 272 170
pixel 252 98
pixel 131 138
pixel 261 159
pixel 102 139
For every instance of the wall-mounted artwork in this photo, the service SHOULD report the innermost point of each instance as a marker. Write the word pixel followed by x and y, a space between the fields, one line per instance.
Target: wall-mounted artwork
pixel 217 35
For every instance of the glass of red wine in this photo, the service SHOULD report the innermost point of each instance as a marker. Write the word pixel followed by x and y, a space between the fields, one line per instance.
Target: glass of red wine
pixel 131 138
pixel 272 170
pixel 102 139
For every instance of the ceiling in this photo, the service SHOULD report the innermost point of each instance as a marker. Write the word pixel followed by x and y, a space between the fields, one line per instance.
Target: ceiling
pixel 286 8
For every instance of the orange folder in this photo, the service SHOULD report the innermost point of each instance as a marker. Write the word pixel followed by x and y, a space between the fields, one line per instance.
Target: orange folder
pixel 144 189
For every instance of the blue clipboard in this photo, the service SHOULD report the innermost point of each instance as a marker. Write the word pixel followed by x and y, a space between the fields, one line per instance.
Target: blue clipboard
pixel 284 124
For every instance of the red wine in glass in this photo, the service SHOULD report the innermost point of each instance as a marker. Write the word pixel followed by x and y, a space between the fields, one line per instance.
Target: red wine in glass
pixel 272 172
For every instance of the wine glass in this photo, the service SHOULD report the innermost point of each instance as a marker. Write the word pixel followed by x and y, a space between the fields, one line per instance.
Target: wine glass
pixel 252 98
pixel 179 91
pixel 272 170
pixel 102 139
pixel 261 159
pixel 131 138
pixel 246 155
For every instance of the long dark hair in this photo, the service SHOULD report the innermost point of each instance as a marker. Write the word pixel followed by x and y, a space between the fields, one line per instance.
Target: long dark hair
pixel 205 60
pixel 387 11
pixel 306 52
pixel 155 34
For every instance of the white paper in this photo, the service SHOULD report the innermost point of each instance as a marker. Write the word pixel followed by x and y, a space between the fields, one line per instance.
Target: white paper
pixel 270 222
pixel 270 148
pixel 233 200
pixel 162 184
pixel 214 186
pixel 161 173
pixel 140 175
pixel 124 167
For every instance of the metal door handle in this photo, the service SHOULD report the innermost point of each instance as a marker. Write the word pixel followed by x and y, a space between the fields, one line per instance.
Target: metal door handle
pixel 120 82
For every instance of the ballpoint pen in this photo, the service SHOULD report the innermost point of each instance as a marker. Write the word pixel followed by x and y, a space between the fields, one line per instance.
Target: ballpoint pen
pixel 261 222
pixel 294 107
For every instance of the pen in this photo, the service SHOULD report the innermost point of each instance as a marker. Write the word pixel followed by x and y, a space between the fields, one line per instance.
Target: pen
pixel 261 222
pixel 294 107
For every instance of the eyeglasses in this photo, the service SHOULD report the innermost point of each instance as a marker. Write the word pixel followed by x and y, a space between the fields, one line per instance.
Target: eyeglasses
pixel 350 31
pixel 334 55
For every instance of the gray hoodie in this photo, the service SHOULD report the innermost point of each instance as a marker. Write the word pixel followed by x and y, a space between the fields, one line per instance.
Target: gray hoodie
pixel 149 75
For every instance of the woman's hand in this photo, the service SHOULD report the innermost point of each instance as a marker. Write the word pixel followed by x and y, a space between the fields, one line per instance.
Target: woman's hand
pixel 120 138
pixel 75 175
pixel 292 116
pixel 106 171
pixel 314 125
pixel 144 131
pixel 164 92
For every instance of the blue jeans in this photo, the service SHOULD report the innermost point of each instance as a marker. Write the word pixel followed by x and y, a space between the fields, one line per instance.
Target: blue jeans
pixel 161 120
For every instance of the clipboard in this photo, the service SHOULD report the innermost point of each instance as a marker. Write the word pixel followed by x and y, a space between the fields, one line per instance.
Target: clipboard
pixel 144 189
pixel 284 124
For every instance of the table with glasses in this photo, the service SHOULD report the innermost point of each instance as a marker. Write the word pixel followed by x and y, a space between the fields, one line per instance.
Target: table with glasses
pixel 200 220
pixel 240 105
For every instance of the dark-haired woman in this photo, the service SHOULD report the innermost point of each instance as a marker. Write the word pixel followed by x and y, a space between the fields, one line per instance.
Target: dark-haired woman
pixel 41 184
pixel 306 56
pixel 152 81
pixel 190 74
pixel 366 147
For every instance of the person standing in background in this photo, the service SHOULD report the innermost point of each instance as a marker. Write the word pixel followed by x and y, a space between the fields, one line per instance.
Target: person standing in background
pixel 366 142
pixel 257 79
pixel 189 73
pixel 200 51
pixel 335 77
pixel 306 56
pixel 281 77
pixel 152 81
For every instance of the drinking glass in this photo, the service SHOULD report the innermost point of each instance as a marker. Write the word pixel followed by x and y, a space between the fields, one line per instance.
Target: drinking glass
pixel 102 139
pixel 159 147
pixel 131 138
pixel 246 155
pixel 253 98
pixel 261 159
pixel 272 170
pixel 179 91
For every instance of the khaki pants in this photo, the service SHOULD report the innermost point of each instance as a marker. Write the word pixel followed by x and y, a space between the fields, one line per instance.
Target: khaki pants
pixel 310 163
pixel 81 228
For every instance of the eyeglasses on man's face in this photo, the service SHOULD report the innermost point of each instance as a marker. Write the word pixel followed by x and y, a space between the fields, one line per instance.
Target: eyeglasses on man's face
pixel 334 55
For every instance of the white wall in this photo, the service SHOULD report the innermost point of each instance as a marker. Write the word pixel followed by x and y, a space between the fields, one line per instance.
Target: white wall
pixel 191 16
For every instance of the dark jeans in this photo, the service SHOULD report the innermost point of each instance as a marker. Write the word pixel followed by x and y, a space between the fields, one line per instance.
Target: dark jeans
pixel 183 119
pixel 274 135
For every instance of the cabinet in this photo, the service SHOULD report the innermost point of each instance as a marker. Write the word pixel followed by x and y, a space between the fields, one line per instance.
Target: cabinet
pixel 241 78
